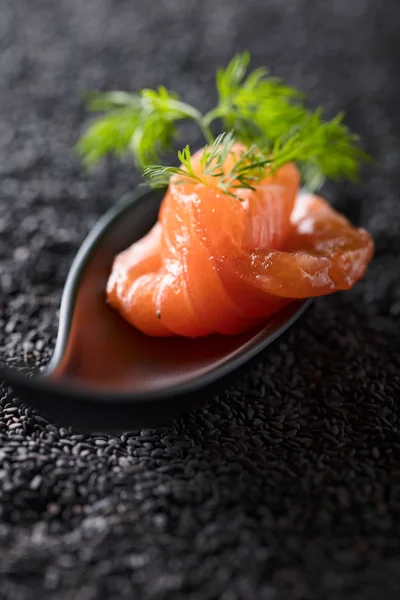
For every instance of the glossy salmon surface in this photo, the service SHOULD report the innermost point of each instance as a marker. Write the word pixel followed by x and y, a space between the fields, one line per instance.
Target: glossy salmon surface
pixel 214 263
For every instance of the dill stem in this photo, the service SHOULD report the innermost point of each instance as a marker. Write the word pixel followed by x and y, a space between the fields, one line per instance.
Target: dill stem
pixel 194 114
pixel 206 131
pixel 213 114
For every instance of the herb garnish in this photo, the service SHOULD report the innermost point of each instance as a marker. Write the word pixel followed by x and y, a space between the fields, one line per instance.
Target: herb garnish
pixel 260 111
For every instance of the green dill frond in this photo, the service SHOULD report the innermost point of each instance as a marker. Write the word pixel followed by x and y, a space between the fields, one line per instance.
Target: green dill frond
pixel 256 106
pixel 102 101
pixel 159 175
pixel 215 154
pixel 229 79
pixel 260 111
pixel 142 124
pixel 108 134
pixel 237 90
pixel 321 149
pixel 249 167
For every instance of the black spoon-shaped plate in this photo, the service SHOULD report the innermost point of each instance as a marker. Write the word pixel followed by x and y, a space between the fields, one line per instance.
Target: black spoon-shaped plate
pixel 105 375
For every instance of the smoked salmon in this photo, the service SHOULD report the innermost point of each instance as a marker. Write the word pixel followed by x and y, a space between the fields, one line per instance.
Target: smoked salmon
pixel 221 263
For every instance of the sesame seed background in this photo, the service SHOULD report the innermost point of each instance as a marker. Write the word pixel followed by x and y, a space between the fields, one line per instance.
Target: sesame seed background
pixel 287 486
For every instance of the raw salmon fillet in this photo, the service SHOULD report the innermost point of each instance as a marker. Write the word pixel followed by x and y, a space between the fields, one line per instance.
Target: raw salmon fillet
pixel 218 264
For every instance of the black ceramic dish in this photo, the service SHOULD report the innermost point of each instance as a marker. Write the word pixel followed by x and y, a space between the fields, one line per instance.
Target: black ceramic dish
pixel 106 376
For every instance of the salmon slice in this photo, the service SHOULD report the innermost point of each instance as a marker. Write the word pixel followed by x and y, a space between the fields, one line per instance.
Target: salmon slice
pixel 211 302
pixel 131 285
pixel 323 253
pixel 220 264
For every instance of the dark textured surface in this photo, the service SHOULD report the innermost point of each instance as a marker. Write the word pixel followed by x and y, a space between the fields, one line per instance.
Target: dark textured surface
pixel 289 485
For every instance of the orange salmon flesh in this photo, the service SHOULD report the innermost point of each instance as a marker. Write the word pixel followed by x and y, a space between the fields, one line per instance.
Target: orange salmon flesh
pixel 215 264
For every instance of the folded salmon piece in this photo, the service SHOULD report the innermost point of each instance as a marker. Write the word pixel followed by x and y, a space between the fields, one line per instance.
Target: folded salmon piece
pixel 215 263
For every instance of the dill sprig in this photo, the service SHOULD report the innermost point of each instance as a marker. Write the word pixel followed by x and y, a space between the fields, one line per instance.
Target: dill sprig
pixel 212 160
pixel 259 110
pixel 160 175
pixel 143 124
pixel 305 145
pixel 249 167
pixel 255 105
pixel 321 149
